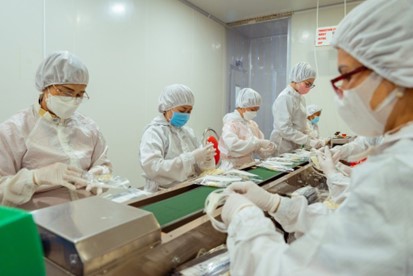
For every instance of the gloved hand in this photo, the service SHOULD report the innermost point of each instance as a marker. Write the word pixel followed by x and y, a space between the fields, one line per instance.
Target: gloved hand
pixel 266 201
pixel 326 162
pixel 99 170
pixel 204 154
pixel 59 174
pixel 316 143
pixel 262 143
pixel 97 187
pixel 234 203
pixel 269 150
pixel 344 169
pixel 309 192
pixel 337 155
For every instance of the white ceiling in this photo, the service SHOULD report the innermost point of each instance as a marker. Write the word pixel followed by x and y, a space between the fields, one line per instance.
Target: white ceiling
pixel 234 10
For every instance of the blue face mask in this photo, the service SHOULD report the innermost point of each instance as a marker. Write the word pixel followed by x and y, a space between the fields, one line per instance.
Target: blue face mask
pixel 315 120
pixel 179 119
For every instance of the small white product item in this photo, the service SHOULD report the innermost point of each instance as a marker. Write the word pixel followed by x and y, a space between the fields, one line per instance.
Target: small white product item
pixel 246 176
pixel 219 180
pixel 275 166
pixel 281 161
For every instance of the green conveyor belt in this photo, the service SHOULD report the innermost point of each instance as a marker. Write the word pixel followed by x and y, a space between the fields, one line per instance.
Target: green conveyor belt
pixel 179 206
pixel 264 173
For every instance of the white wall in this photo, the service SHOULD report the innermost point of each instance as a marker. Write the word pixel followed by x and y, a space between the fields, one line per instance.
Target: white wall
pixel 303 29
pixel 130 59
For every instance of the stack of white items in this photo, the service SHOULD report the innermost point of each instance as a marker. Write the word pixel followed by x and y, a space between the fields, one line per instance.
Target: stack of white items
pixel 299 155
pixel 124 195
pixel 119 188
pixel 285 161
pixel 277 164
pixel 226 178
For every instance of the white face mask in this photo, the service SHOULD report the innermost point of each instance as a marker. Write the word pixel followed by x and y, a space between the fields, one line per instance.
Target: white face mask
pixel 355 108
pixel 62 106
pixel 249 115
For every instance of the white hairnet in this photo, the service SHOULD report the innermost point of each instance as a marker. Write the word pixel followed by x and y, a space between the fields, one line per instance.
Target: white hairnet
pixel 175 95
pixel 61 67
pixel 247 97
pixel 302 71
pixel 312 108
pixel 379 34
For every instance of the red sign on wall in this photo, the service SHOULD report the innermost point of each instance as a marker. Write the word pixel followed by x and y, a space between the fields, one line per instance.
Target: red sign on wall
pixel 324 35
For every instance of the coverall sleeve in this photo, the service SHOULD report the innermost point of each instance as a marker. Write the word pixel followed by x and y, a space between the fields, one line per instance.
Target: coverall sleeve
pixel 16 184
pixel 359 145
pixel 295 215
pixel 152 158
pixel 236 146
pixel 338 185
pixel 17 189
pixel 99 156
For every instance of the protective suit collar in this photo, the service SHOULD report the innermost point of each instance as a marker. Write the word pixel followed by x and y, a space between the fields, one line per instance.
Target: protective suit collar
pixel 389 139
pixel 46 115
pixel 159 120
pixel 233 116
pixel 405 132
pixel 292 91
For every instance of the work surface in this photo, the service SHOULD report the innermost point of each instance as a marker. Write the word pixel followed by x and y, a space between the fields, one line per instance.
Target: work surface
pixel 175 208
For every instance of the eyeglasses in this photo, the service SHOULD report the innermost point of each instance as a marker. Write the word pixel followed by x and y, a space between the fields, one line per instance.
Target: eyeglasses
pixel 337 83
pixel 82 95
pixel 309 85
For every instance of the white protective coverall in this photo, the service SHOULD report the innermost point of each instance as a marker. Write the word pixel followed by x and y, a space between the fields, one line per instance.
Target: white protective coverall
pixel 239 141
pixel 166 154
pixel 33 139
pixel 290 121
pixel 371 233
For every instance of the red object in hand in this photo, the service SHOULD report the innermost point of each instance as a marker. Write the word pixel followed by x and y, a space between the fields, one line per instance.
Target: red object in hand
pixel 213 140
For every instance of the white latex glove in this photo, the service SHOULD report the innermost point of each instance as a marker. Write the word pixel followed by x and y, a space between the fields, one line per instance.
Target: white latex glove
pixel 316 143
pixel 326 162
pixel 262 143
pixel 337 155
pixel 234 203
pixel 99 170
pixel 268 151
pixel 97 188
pixel 344 169
pixel 204 154
pixel 266 201
pixel 59 174
pixel 335 152
pixel 309 192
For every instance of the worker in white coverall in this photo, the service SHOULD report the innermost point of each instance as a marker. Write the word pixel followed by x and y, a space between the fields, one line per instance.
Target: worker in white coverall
pixel 46 149
pixel 241 139
pixel 169 151
pixel 289 112
pixel 371 233
pixel 313 117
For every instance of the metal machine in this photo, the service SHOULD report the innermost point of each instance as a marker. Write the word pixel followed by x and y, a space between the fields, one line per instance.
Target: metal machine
pixel 95 236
